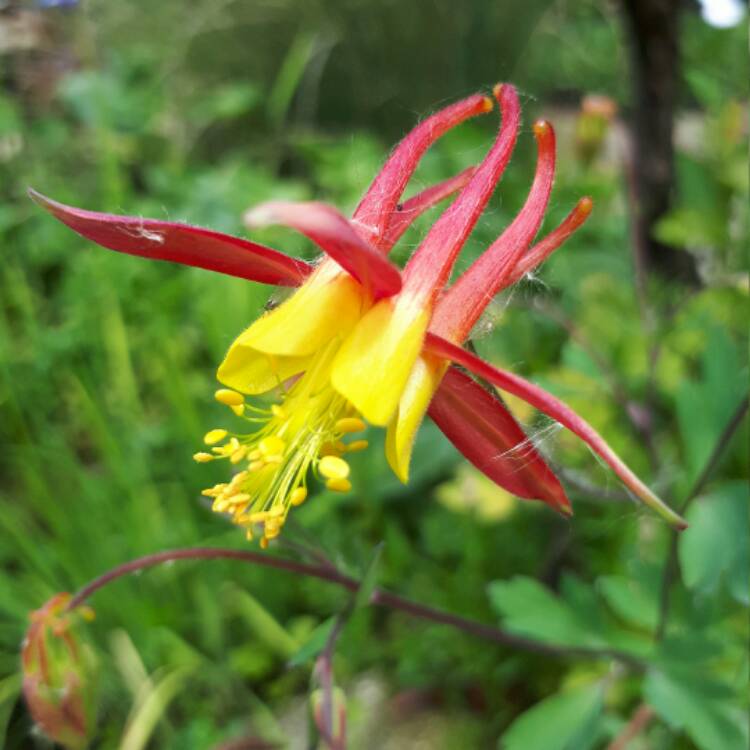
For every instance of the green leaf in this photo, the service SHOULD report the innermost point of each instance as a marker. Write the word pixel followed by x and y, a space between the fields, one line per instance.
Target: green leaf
pixel 528 608
pixel 10 687
pixel 264 626
pixel 290 75
pixel 716 542
pixel 315 643
pixel 151 707
pixel 562 722
pixel 369 579
pixel 698 707
pixel 629 601
pixel 705 406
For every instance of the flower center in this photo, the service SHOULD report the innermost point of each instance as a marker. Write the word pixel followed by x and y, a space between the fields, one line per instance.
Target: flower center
pixel 304 432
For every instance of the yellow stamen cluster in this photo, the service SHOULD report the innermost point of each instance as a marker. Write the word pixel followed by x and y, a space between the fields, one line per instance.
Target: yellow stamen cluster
pixel 289 440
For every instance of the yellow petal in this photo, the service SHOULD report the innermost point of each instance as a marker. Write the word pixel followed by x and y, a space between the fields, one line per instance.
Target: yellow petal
pixel 329 303
pixel 374 363
pixel 253 372
pixel 423 381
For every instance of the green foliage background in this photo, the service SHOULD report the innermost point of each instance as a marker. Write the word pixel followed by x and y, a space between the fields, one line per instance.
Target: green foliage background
pixel 196 111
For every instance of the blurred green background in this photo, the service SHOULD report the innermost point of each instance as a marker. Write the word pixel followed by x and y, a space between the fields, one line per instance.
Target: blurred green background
pixel 195 111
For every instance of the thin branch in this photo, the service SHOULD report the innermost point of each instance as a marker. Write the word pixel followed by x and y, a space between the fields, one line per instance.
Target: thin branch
pixel 323 572
pixel 638 722
pixel 324 668
pixel 670 567
pixel 379 598
pixel 721 445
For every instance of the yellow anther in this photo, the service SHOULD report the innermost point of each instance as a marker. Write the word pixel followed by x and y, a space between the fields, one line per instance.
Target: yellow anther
pixel 350 424
pixel 239 498
pixel 238 510
pixel 214 436
pixel 356 445
pixel 271 533
pixel 232 445
pixel 333 467
pixel 254 455
pixel 298 496
pixel 202 458
pixel 277 411
pixel 238 455
pixel 237 478
pixel 275 460
pixel 339 485
pixel 230 398
pixel 256 465
pixel 272 446
pixel 264 543
pixel 238 409
pixel 249 535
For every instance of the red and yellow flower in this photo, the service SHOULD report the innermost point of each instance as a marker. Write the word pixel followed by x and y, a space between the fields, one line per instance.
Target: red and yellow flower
pixel 361 341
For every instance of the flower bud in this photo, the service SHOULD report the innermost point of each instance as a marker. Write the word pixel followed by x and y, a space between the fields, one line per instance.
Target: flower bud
pixel 56 682
pixel 337 718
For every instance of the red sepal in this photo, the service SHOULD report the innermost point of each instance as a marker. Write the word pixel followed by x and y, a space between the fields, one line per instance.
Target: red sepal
pixel 553 407
pixel 429 268
pixel 462 305
pixel 418 204
pixel 376 208
pixel 180 243
pixel 546 246
pixel 332 232
pixel 487 434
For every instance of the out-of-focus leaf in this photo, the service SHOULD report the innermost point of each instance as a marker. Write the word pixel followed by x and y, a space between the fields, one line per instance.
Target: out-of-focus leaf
pixel 716 542
pixel 10 688
pixel 470 491
pixel 629 601
pixel 530 609
pixel 699 707
pixel 686 228
pixel 230 100
pixel 289 76
pixel 314 644
pixel 705 406
pixel 264 625
pixel 369 579
pixel 561 722
pixel 150 708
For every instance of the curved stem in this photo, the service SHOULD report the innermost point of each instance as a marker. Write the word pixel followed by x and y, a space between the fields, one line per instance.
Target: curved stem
pixel 379 598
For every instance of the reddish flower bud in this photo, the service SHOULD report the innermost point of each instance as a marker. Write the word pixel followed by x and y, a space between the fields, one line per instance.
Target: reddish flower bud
pixel 335 731
pixel 55 678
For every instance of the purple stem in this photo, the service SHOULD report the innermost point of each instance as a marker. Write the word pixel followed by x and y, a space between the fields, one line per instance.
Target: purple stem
pixel 379 598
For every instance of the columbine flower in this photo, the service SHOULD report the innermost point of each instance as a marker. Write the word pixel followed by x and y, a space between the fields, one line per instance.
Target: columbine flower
pixel 360 341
